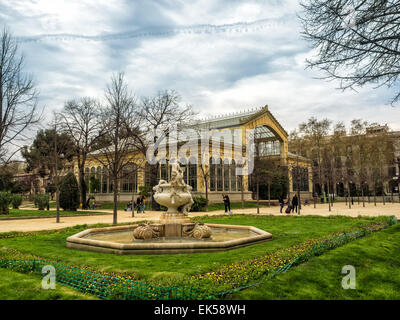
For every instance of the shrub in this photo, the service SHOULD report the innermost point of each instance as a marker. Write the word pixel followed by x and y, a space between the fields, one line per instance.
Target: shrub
pixel 41 200
pixel 5 201
pixel 199 204
pixel 16 200
pixel 69 193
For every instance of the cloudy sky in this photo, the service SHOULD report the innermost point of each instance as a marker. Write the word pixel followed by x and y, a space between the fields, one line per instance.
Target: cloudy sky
pixel 221 56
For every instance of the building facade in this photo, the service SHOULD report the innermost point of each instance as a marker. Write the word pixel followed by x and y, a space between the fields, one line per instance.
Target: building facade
pixel 219 173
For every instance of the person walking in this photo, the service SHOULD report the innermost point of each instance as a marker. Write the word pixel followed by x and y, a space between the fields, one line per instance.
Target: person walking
pixel 227 203
pixel 281 202
pixel 295 202
pixel 139 203
pixel 143 203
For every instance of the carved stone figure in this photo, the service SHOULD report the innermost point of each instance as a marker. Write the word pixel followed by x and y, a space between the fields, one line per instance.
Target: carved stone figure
pixel 199 231
pixel 146 231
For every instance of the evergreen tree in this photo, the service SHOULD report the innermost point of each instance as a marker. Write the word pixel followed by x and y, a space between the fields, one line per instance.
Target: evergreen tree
pixel 69 193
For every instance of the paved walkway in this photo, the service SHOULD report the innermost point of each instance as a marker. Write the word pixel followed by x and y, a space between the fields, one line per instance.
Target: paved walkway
pixel 124 217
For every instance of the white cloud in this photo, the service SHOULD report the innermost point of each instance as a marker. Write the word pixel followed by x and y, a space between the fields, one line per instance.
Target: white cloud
pixel 185 46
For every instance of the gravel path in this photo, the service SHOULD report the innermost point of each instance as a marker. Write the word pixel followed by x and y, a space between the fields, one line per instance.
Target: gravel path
pixel 123 217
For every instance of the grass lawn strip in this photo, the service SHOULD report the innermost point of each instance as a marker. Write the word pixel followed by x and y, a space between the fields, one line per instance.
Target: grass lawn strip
pixel 232 276
pixel 23 214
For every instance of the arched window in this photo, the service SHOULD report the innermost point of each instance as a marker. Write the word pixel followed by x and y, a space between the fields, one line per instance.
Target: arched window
pixel 233 175
pixel 147 174
pixel 193 174
pixel 87 173
pixel 164 171
pixel 212 174
pixel 219 174
pixel 110 182
pixel 104 180
pixel 184 167
pixel 226 174
pixel 129 179
pixel 239 178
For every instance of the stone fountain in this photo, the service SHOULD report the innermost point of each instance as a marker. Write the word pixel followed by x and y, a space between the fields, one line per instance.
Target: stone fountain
pixel 174 223
pixel 173 233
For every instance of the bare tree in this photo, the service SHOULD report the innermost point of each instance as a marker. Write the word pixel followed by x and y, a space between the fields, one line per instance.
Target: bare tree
pixel 80 119
pixel 18 98
pixel 117 116
pixel 160 114
pixel 314 133
pixel 357 40
pixel 58 162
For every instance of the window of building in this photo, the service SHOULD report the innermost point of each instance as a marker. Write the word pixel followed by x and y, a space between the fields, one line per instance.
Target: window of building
pixel 164 171
pixel 219 174
pixel 226 175
pixel 183 165
pixel 300 179
pixel 193 174
pixel 129 179
pixel 233 175
pixel 212 174
pixel 104 180
pixel 147 175
pixel 110 183
pixel 87 174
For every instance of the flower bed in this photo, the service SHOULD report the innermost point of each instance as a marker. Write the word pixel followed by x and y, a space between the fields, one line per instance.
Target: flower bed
pixel 238 276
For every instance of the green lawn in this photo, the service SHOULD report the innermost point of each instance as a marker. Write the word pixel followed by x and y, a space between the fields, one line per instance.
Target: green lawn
pixel 167 269
pixel 376 259
pixel 18 286
pixel 44 213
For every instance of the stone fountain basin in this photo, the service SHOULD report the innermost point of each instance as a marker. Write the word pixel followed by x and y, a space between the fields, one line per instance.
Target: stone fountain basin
pixel 117 240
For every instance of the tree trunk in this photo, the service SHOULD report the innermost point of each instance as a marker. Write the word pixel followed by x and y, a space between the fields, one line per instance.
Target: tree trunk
pixel 242 192
pixel 329 197
pixel 269 195
pixel 315 198
pixel 374 195
pixel 82 186
pixel 299 204
pixel 383 195
pixel 115 200
pixel 349 194
pixel 258 198
pixel 58 203
pixel 206 195
pixel 362 195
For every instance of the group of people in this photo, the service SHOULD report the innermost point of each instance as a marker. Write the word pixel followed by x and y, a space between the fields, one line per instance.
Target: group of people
pixel 291 206
pixel 140 204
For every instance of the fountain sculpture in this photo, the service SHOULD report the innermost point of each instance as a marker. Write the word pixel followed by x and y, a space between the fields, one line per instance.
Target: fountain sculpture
pixel 172 233
pixel 176 196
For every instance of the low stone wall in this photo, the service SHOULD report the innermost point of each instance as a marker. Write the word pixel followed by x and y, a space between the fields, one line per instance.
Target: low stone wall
pixel 80 242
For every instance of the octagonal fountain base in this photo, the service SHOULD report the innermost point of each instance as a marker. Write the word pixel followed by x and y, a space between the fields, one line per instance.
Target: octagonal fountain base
pixel 120 240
